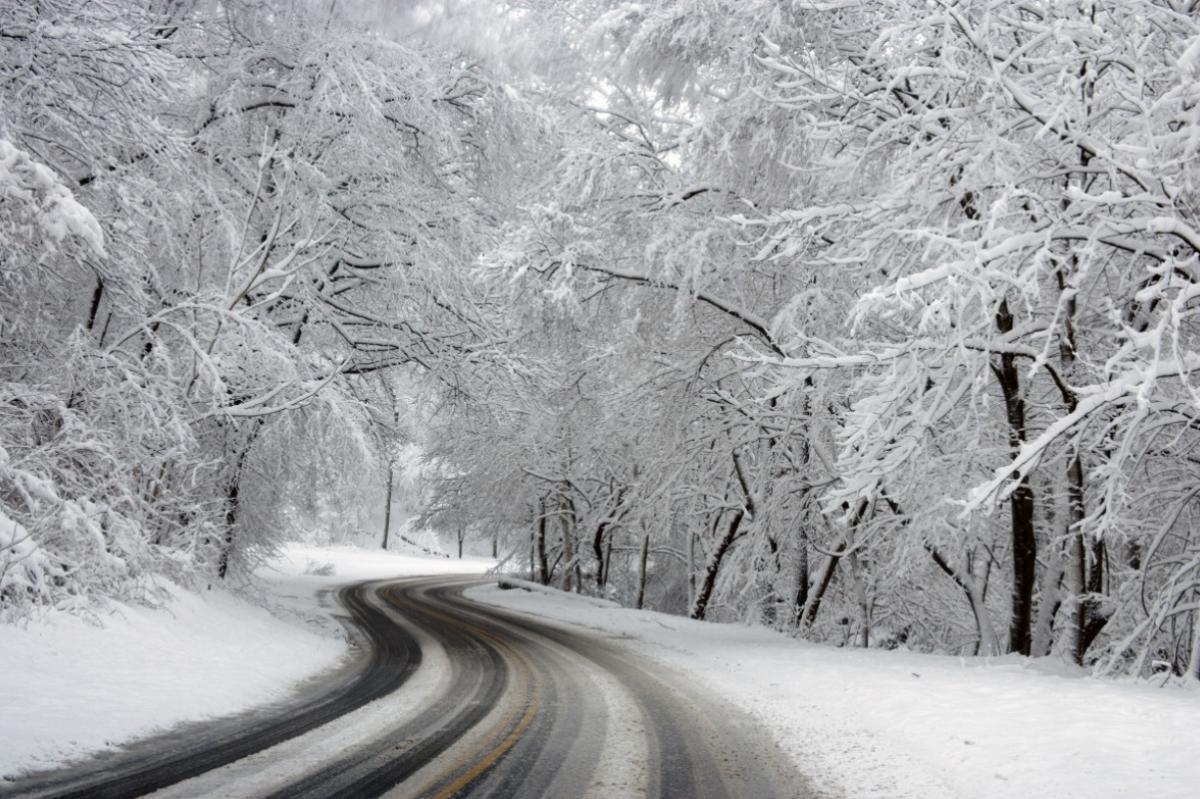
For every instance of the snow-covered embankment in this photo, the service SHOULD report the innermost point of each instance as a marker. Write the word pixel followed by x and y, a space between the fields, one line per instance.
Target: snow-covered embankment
pixel 70 686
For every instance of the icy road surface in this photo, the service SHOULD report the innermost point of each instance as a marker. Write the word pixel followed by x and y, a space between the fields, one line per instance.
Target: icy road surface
pixel 454 698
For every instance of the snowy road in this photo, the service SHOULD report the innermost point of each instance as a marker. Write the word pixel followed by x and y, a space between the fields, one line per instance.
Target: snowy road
pixel 462 699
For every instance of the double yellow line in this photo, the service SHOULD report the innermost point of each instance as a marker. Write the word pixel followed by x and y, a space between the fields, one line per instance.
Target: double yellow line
pixel 490 751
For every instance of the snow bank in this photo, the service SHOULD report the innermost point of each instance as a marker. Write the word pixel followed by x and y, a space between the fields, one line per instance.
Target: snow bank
pixel 898 724
pixel 71 686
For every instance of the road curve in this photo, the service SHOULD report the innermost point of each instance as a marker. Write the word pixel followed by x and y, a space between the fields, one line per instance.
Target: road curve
pixel 469 701
pixel 389 655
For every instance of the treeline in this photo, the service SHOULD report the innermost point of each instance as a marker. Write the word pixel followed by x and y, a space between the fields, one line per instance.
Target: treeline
pixel 871 321
pixel 225 226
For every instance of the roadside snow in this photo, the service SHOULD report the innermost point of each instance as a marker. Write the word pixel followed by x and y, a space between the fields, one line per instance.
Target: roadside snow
pixel 73 687
pixel 899 724
pixel 70 687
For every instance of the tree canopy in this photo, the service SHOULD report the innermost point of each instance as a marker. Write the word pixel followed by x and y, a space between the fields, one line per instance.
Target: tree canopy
pixel 869 321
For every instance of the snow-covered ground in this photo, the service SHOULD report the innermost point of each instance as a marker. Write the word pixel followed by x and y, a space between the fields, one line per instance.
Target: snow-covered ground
pixel 861 724
pixel 70 686
pixel 899 724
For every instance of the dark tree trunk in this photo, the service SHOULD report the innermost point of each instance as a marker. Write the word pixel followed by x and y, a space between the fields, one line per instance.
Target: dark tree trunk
pixel 1021 502
pixel 231 513
pixel 1024 569
pixel 608 545
pixel 700 607
pixel 1086 554
pixel 598 554
pixel 641 595
pixel 532 556
pixel 604 534
pixel 233 492
pixel 808 614
pixel 387 509
pixel 566 524
pixel 1093 615
pixel 802 578
pixel 540 544
pixel 97 296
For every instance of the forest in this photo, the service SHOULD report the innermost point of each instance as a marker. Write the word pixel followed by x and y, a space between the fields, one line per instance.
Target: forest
pixel 862 320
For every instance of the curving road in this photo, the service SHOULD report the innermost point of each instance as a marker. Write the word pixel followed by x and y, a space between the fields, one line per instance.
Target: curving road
pixel 453 698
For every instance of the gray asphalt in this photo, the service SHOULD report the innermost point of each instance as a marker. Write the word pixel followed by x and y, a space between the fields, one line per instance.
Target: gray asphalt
pixel 529 709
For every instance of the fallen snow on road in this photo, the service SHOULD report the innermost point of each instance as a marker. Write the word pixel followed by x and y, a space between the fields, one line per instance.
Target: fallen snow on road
pixel 899 724
pixel 71 686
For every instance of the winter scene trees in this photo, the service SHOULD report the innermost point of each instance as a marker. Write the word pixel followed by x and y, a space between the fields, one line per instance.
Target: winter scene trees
pixel 868 322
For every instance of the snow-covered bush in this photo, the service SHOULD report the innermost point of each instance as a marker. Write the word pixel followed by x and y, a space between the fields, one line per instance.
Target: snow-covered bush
pixel 31 193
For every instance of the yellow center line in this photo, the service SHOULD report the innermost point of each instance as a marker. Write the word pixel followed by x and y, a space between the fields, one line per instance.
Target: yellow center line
pixel 491 757
pixel 529 691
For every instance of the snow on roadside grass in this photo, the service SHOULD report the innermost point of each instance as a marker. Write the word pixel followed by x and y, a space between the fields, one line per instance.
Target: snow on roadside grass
pixel 900 724
pixel 70 687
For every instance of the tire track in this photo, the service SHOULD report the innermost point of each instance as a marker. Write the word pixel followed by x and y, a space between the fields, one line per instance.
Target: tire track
pixel 392 655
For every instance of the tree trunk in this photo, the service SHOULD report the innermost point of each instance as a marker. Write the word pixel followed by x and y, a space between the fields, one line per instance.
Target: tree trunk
pixel 387 508
pixel 641 595
pixel 570 565
pixel 608 545
pixel 691 567
pixel 1048 605
pixel 815 597
pixel 700 607
pixel 1194 664
pixel 1086 567
pixel 1076 572
pixel 1087 555
pixel 603 535
pixel 540 544
pixel 233 492
pixel 231 513
pixel 1095 616
pixel 1021 502
pixel 813 605
pixel 598 554
pixel 802 579
pixel 93 311
pixel 988 642
pixel 864 603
